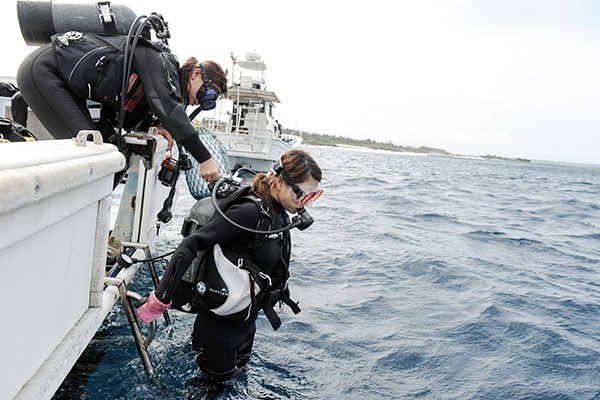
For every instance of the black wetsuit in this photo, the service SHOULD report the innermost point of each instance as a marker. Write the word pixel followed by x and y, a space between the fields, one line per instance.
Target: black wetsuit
pixel 223 345
pixel 64 114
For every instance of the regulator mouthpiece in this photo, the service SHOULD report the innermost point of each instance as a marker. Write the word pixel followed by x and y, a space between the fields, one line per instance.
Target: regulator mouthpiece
pixel 303 219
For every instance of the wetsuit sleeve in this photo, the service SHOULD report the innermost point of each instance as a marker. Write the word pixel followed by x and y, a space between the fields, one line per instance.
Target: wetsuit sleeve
pixel 216 231
pixel 160 79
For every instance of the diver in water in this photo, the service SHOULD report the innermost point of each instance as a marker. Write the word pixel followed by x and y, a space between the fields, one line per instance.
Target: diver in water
pixel 158 91
pixel 224 338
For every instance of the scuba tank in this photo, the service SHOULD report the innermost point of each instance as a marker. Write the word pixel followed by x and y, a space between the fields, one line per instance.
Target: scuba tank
pixel 203 211
pixel 40 19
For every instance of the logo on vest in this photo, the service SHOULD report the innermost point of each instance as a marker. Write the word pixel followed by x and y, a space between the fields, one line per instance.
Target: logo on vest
pixel 222 292
pixel 200 287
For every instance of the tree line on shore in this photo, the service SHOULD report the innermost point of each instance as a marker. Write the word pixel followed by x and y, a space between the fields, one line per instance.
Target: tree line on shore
pixel 334 140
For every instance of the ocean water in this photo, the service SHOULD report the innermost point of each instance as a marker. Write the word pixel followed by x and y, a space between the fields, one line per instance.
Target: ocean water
pixel 423 277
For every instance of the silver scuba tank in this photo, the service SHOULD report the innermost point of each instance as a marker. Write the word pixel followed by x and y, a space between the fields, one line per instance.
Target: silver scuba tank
pixel 40 19
pixel 203 211
pixel 200 214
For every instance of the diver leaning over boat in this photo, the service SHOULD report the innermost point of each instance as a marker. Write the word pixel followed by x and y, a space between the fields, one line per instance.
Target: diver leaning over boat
pixel 224 328
pixel 57 78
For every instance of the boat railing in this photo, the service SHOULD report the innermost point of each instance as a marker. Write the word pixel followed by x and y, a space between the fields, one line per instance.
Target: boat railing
pixel 246 123
pixel 249 126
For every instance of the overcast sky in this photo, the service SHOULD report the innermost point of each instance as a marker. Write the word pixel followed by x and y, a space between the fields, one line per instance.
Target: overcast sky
pixel 511 78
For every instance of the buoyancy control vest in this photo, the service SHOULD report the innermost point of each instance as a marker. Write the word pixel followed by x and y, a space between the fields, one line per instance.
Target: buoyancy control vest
pixel 92 66
pixel 234 291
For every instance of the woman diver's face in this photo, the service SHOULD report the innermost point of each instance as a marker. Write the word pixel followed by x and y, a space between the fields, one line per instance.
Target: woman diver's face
pixel 289 199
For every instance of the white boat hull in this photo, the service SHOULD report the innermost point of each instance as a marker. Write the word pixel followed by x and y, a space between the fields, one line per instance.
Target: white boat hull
pixel 54 223
pixel 53 212
pixel 256 153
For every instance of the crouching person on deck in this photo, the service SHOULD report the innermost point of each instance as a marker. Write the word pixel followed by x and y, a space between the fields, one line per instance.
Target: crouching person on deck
pixel 57 78
pixel 224 329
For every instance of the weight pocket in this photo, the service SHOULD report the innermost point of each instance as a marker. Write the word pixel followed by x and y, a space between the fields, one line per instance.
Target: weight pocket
pixel 107 89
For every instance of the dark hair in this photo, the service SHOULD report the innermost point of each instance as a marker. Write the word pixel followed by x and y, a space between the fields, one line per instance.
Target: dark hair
pixel 216 75
pixel 298 164
pixel 214 71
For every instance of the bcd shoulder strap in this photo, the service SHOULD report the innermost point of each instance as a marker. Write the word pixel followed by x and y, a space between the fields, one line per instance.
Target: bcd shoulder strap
pixel 265 222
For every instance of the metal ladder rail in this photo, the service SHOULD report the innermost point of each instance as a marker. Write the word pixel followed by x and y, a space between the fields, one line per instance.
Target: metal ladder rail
pixel 142 343
pixel 152 267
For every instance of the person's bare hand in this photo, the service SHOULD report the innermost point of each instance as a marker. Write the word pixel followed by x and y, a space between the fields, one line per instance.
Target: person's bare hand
pixel 165 133
pixel 210 170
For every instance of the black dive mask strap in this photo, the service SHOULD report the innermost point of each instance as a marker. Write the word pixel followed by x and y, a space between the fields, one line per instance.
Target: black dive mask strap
pixel 278 170
pixel 207 94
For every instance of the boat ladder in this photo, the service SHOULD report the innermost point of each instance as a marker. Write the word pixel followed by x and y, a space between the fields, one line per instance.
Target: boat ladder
pixel 131 300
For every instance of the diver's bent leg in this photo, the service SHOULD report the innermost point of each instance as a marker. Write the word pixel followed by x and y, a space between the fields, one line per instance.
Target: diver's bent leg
pixel 57 108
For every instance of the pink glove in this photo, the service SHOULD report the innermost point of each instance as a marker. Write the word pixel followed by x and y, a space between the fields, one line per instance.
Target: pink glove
pixel 152 309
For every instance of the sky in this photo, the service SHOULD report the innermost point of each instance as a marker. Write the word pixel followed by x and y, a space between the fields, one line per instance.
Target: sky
pixel 474 77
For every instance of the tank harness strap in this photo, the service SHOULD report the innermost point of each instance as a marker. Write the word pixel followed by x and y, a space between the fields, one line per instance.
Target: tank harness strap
pixel 270 313
pixel 107 17
pixel 264 220
pixel 264 282
pixel 282 293
pixel 269 310
pixel 290 303
pixel 272 297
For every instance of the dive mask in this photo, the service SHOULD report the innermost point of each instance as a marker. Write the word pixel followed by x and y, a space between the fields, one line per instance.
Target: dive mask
pixel 208 94
pixel 306 193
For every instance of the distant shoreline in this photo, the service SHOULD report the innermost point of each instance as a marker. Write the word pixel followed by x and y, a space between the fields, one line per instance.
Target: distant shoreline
pixel 340 141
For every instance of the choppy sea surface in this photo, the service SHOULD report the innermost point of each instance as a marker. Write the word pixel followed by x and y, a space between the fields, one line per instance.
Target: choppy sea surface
pixel 423 277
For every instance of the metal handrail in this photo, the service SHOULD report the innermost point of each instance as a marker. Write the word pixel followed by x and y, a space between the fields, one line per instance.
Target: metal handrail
pixel 141 342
